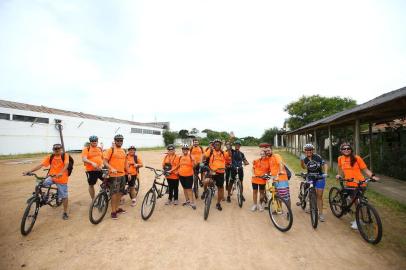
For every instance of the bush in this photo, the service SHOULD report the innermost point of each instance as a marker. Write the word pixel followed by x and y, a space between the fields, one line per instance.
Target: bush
pixel 169 137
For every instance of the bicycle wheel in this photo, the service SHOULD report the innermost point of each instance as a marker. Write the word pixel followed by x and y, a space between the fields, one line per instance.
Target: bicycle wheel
pixel 239 193
pixel 148 204
pixel 196 186
pixel 136 187
pixel 335 199
pixel 280 214
pixel 55 201
pixel 98 208
pixel 369 223
pixel 314 212
pixel 30 216
pixel 207 202
pixel 302 197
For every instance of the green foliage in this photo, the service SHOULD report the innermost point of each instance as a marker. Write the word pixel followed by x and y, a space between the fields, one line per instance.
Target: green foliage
pixel 169 137
pixel 269 135
pixel 183 133
pixel 311 108
pixel 249 141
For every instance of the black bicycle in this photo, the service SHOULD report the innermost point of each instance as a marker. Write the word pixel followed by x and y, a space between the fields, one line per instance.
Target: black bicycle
pixel 158 190
pixel 307 194
pixel 237 187
pixel 43 195
pixel 210 192
pixel 196 181
pixel 368 221
pixel 100 203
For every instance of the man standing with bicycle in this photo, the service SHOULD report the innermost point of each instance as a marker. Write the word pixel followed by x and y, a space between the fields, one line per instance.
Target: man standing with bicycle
pixel 134 164
pixel 92 157
pixel 196 151
pixel 237 161
pixel 115 161
pixel 58 174
pixel 228 152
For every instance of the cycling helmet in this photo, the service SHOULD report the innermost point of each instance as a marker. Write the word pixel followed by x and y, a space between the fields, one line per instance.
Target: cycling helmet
pixel 132 147
pixel 170 147
pixel 237 142
pixel 185 146
pixel 93 138
pixel 308 146
pixel 345 144
pixel 118 137
pixel 217 141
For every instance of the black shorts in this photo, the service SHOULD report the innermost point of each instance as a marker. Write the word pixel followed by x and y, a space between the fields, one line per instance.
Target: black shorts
pixel 218 178
pixel 131 180
pixel 117 184
pixel 256 186
pixel 186 181
pixel 92 177
pixel 234 173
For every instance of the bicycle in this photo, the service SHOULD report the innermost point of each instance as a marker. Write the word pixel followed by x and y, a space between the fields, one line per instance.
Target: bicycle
pixel 280 212
pixel 196 182
pixel 307 194
pixel 148 204
pixel 210 192
pixel 237 185
pixel 127 187
pixel 100 203
pixel 43 195
pixel 368 220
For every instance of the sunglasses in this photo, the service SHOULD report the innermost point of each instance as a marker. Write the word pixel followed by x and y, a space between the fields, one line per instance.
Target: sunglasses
pixel 346 149
pixel 118 140
pixel 56 149
pixel 93 141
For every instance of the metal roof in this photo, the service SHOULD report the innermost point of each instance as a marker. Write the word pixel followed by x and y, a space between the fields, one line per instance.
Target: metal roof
pixel 358 110
pixel 43 109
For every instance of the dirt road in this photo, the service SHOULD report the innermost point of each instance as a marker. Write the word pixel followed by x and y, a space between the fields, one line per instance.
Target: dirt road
pixel 175 237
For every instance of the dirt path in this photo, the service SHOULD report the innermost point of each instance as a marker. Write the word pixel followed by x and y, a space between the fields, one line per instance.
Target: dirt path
pixel 175 237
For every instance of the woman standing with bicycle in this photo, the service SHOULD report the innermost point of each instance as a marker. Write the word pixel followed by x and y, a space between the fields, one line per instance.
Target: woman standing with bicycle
pixel 277 168
pixel 260 167
pixel 170 166
pixel 352 167
pixel 134 163
pixel 186 164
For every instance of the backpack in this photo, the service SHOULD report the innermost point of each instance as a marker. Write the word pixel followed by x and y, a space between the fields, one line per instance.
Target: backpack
pixel 288 172
pixel 70 165
pixel 207 161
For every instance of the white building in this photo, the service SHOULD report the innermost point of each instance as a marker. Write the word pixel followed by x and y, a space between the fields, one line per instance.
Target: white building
pixel 28 128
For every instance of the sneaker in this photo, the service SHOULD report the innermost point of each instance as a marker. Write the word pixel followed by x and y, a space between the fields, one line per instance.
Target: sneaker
pixel 65 216
pixel 354 225
pixel 228 199
pixel 114 216
pixel 121 211
pixel 260 208
pixel 168 202
pixel 193 206
pixel 218 206
pixel 186 203
pixel 254 208
pixel 133 202
pixel 176 202
pixel 321 217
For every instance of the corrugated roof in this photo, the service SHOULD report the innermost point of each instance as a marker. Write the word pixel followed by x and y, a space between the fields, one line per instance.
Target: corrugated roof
pixel 43 109
pixel 387 97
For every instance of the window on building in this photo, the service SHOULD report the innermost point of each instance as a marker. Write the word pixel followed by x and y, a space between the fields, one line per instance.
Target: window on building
pixel 32 119
pixel 5 116
pixel 136 130
pixel 156 132
pixel 147 131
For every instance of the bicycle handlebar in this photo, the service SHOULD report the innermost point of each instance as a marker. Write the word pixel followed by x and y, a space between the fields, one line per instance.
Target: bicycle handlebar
pixel 305 175
pixel 156 171
pixel 359 182
pixel 38 177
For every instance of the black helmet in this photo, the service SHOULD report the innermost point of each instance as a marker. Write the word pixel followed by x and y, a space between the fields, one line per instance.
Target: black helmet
pixel 118 137
pixel 170 147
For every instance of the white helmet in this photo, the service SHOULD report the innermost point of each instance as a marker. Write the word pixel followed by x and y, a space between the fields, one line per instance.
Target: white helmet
pixel 185 146
pixel 308 146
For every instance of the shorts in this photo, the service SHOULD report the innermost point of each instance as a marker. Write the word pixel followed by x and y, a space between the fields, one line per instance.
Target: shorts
pixel 186 181
pixel 62 188
pixel 92 177
pixel 320 183
pixel 117 184
pixel 283 190
pixel 258 186
pixel 131 180
pixel 234 174
pixel 218 178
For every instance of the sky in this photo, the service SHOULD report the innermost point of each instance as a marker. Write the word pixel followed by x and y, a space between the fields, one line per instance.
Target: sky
pixel 223 65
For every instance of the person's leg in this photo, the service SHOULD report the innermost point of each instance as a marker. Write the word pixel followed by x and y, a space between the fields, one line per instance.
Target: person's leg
pixel 176 190
pixel 183 181
pixel 91 180
pixel 319 194
pixel 241 176
pixel 219 181
pixel 227 178
pixel 63 193
pixel 255 193
pixel 232 179
pixel 171 189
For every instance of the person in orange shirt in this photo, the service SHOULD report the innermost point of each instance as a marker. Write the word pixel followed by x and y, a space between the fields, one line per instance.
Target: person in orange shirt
pixel 217 163
pixel 134 163
pixel 92 157
pixel 197 152
pixel 115 160
pixel 228 154
pixel 277 169
pixel 185 169
pixel 352 166
pixel 170 166
pixel 259 168
pixel 58 174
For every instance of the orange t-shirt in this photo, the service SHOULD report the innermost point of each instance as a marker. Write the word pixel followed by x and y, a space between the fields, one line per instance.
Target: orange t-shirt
pixel 274 165
pixel 117 160
pixel 227 155
pixel 344 163
pixel 217 161
pixel 94 154
pixel 131 164
pixel 174 161
pixel 186 165
pixel 197 153
pixel 56 167
pixel 261 167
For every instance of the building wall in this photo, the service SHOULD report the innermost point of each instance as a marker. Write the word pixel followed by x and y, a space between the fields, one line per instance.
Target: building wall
pixel 18 137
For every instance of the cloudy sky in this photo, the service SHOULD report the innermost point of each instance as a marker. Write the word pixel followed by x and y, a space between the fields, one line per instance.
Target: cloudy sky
pixel 225 65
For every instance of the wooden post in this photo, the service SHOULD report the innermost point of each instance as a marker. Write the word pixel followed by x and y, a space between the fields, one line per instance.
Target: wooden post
pixel 356 137
pixel 315 141
pixel 330 148
pixel 370 145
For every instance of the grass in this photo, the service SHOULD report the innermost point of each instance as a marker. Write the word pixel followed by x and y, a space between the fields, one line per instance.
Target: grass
pixel 392 212
pixel 28 155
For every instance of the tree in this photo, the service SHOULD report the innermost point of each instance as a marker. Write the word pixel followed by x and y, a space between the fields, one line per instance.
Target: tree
pixel 169 137
pixel 249 141
pixel 311 108
pixel 183 133
pixel 194 131
pixel 269 135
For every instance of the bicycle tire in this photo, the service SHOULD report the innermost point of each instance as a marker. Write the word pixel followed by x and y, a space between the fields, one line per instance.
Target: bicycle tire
pixel 207 203
pixel 136 187
pixel 34 201
pixel 302 196
pixel 335 200
pixel 239 194
pixel 365 218
pixel 55 202
pixel 149 199
pixel 273 214
pixel 100 203
pixel 195 186
pixel 314 212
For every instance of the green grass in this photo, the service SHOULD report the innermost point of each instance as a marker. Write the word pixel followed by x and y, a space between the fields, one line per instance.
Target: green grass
pixel 28 155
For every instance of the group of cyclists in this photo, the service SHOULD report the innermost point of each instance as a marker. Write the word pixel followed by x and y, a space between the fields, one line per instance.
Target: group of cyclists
pixel 223 165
